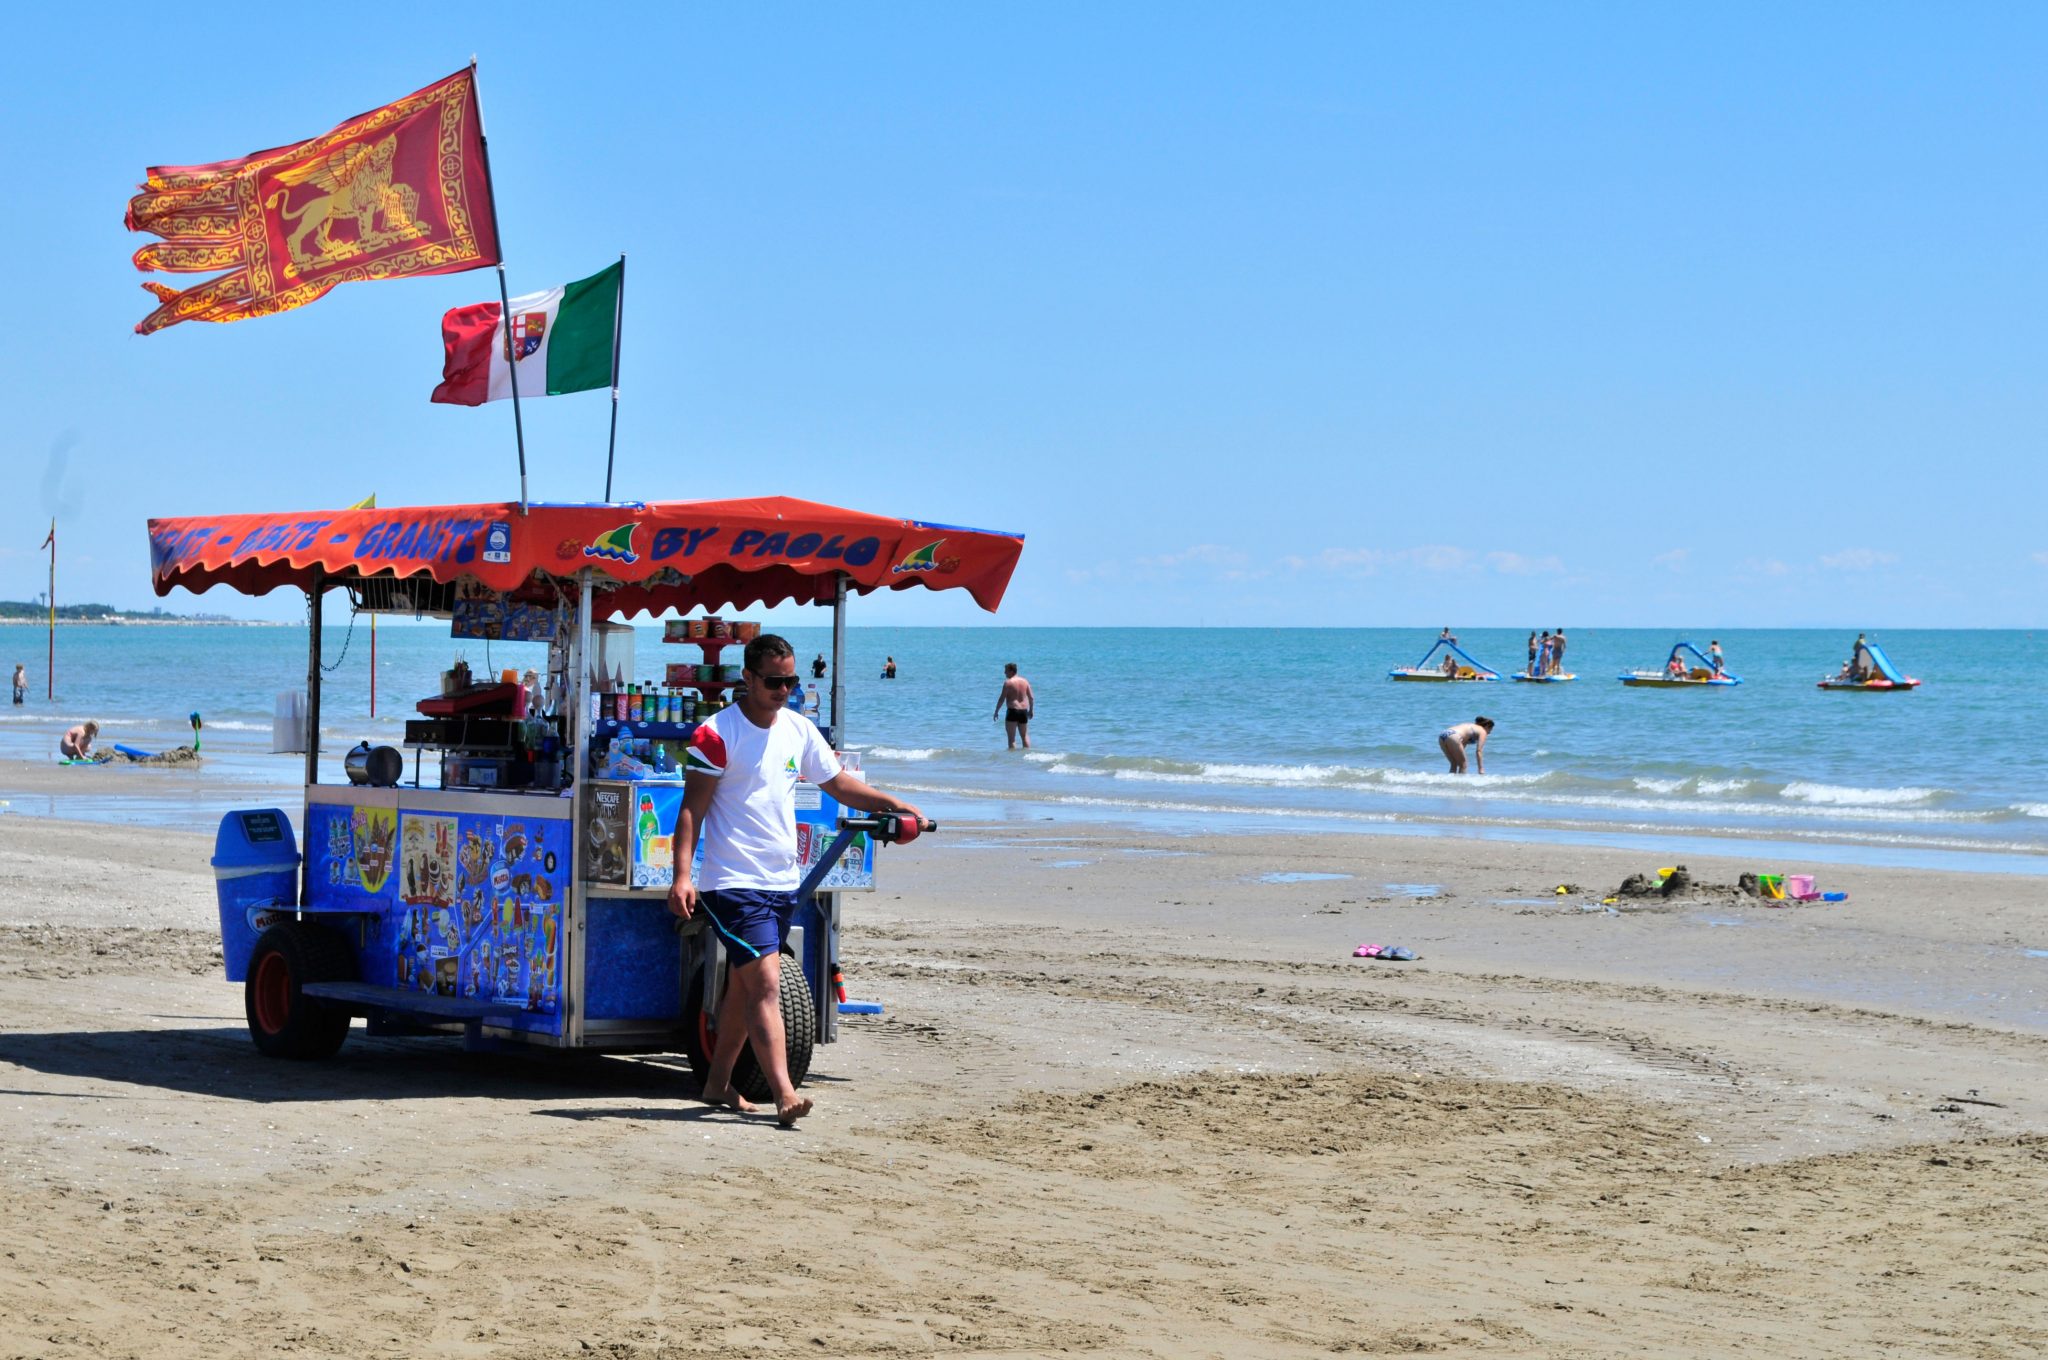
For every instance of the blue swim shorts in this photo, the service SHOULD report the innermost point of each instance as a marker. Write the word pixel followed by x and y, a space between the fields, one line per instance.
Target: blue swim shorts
pixel 752 922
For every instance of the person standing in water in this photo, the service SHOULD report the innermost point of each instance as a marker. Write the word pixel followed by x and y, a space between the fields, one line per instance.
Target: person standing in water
pixel 1015 705
pixel 888 668
pixel 21 682
pixel 1454 739
pixel 818 666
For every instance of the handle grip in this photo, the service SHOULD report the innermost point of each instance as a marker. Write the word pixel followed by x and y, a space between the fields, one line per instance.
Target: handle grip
pixel 888 826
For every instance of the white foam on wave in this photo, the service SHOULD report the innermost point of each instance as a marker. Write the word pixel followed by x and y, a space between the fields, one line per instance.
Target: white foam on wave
pixel 1836 795
pixel 900 753
pixel 2031 809
pixel 1495 821
pixel 1704 787
pixel 1444 779
pixel 1226 773
pixel 1765 811
pixel 1309 776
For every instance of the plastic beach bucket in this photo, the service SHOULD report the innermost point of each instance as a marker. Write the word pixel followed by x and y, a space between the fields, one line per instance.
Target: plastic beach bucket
pixel 1798 885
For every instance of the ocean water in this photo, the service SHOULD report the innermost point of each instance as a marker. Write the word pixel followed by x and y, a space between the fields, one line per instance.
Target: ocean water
pixel 1227 729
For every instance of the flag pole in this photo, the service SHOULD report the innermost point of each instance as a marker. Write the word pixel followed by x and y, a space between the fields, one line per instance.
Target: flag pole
pixel 50 692
pixel 618 325
pixel 504 297
pixel 369 502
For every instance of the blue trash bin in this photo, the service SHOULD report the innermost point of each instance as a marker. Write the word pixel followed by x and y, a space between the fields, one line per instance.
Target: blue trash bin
pixel 256 878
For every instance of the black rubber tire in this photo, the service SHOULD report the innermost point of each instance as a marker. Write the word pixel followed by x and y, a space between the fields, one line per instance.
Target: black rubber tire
pixel 799 1034
pixel 283 1021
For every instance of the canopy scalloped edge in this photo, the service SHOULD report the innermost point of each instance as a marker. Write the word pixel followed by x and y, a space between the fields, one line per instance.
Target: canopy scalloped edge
pixel 680 555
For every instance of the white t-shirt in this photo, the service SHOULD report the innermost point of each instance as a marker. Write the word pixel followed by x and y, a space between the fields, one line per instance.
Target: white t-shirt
pixel 749 835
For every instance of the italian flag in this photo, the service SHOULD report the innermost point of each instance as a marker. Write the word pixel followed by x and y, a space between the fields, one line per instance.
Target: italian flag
pixel 561 342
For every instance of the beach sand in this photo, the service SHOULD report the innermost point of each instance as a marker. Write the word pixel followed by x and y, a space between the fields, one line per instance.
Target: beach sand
pixel 1128 1098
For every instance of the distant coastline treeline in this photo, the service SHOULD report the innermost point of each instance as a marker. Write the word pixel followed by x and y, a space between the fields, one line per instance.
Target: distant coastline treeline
pixel 28 611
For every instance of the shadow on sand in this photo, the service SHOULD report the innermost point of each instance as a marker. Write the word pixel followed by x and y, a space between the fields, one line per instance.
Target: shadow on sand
pixel 221 1062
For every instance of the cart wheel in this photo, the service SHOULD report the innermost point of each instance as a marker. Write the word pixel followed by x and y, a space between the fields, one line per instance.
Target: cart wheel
pixel 799 1034
pixel 283 1020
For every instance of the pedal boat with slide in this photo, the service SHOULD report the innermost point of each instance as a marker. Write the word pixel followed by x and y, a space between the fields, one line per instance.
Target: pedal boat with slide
pixel 1681 676
pixel 1455 666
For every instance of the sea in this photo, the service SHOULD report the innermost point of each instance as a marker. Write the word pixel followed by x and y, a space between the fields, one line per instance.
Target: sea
pixel 1191 731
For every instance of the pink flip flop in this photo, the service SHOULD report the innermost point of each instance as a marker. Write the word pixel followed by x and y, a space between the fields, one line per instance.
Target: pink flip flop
pixel 1366 951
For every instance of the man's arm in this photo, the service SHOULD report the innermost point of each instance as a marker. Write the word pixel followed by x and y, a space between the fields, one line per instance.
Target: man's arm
pixel 1030 700
pixel 864 797
pixel 697 791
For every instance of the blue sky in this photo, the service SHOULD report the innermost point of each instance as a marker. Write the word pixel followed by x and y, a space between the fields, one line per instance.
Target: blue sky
pixel 1345 315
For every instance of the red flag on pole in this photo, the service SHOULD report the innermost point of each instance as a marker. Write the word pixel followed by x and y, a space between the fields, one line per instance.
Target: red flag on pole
pixel 401 190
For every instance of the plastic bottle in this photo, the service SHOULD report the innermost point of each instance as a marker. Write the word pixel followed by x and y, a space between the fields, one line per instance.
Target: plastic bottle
pixel 636 705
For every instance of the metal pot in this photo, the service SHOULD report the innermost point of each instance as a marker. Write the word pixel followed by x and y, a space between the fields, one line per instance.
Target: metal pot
pixel 378 766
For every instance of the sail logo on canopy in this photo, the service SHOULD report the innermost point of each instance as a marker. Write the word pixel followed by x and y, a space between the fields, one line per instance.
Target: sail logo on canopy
pixel 616 544
pixel 924 559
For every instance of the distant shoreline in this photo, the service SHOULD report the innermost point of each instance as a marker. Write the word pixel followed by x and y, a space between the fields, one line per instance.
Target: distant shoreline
pixel 151 621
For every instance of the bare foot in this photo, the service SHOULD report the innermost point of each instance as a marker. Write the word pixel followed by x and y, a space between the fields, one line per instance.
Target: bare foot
pixel 787 1114
pixel 731 1099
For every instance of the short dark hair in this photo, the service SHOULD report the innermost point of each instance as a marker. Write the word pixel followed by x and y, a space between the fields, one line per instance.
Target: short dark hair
pixel 1009 668
pixel 1486 723
pixel 766 648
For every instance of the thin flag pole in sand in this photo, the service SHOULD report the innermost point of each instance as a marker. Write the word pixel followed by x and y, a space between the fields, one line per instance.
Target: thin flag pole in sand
pixel 369 502
pixel 50 692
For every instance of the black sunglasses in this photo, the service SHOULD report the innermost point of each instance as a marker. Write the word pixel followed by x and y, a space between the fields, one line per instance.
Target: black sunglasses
pixel 775 681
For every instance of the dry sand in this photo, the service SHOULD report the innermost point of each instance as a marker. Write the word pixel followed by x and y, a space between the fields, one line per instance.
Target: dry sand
pixel 1127 1099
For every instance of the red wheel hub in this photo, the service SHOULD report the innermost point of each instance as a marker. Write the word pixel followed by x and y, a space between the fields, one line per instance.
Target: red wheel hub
pixel 273 992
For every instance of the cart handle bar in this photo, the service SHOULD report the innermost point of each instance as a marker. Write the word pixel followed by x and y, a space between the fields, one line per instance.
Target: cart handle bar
pixel 888 826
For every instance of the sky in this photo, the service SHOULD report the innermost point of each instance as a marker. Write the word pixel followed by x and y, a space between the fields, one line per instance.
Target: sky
pixel 1345 315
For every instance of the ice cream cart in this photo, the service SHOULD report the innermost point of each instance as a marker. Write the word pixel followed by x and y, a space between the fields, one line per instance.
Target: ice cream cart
pixel 514 891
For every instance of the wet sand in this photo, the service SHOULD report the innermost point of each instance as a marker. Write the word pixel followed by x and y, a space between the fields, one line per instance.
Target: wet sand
pixel 1128 1097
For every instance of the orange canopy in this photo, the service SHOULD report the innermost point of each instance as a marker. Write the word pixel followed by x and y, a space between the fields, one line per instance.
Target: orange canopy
pixel 679 555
